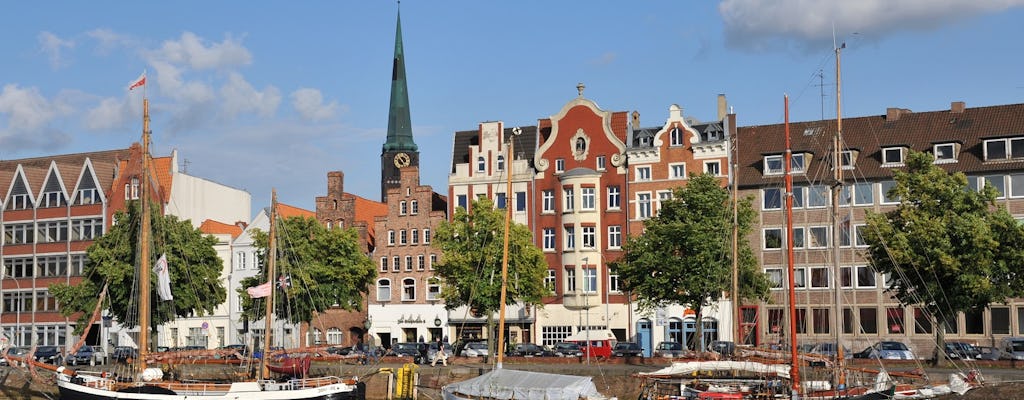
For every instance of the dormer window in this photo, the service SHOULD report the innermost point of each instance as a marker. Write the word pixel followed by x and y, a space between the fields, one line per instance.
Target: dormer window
pixel 944 153
pixel 847 159
pixel 892 156
pixel 1004 149
pixel 676 137
pixel 773 165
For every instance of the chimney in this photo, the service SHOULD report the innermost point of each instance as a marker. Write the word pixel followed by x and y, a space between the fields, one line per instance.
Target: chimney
pixel 636 120
pixel 722 106
pixel 893 113
pixel 957 107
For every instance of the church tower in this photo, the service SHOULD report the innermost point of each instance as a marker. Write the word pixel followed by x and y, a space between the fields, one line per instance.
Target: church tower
pixel 399 151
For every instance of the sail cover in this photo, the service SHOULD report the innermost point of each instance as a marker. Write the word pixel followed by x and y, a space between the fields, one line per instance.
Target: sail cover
pixel 513 384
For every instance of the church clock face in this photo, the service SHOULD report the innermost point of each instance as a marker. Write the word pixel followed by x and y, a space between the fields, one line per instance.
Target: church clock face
pixel 402 160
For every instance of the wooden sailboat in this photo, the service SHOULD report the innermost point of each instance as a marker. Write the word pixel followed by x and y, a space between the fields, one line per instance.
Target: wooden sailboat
pixel 149 384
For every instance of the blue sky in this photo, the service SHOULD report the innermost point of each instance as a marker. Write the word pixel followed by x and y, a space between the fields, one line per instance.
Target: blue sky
pixel 257 95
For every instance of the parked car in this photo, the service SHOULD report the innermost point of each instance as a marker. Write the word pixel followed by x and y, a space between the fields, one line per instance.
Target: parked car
pixel 668 349
pixel 340 350
pixel 887 350
pixel 475 349
pixel 627 349
pixel 14 351
pixel 123 354
pixel 49 355
pixel 529 350
pixel 1012 348
pixel 723 347
pixel 961 351
pixel 86 355
pixel 828 349
pixel 258 353
pixel 568 349
pixel 416 350
pixel 988 353
pixel 432 351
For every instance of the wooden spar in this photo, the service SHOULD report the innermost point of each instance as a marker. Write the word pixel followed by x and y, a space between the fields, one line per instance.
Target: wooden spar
pixel 737 318
pixel 504 257
pixel 96 312
pixel 271 264
pixel 144 268
pixel 837 168
pixel 794 356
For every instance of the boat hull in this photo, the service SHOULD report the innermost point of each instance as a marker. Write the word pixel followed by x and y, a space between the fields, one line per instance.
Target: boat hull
pixel 72 390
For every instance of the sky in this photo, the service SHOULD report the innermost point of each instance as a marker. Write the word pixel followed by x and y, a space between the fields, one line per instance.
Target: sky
pixel 258 95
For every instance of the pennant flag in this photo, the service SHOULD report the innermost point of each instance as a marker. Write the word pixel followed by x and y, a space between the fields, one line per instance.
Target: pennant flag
pixel 163 276
pixel 138 82
pixel 259 291
pixel 284 281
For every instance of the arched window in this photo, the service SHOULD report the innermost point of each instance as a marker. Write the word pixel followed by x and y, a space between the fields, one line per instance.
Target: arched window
pixel 334 336
pixel 314 337
pixel 384 290
pixel 481 164
pixel 501 163
pixel 408 289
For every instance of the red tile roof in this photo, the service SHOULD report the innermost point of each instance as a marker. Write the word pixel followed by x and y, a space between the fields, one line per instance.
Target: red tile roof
pixel 286 211
pixel 212 227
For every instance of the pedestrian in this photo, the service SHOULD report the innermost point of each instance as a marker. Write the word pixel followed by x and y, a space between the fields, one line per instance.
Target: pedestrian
pixel 440 355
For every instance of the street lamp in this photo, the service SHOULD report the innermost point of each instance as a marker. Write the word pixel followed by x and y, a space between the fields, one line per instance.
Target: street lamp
pixel 586 304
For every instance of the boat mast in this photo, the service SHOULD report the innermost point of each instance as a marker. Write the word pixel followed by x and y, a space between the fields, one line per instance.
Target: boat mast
pixel 509 168
pixel 271 263
pixel 837 168
pixel 737 318
pixel 144 268
pixel 794 358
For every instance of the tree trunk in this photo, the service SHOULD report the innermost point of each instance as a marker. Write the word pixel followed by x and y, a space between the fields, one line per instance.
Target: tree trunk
pixel 939 354
pixel 698 338
pixel 491 340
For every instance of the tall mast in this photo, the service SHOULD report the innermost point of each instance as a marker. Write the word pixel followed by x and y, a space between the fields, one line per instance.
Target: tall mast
pixel 837 168
pixel 144 268
pixel 737 318
pixel 509 164
pixel 271 264
pixel 787 159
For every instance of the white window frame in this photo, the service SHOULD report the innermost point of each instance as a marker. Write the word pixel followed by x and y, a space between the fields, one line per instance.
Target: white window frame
pixel 644 208
pixel 861 187
pixel 588 198
pixel 1008 147
pixel 414 207
pixel 402 207
pixel 548 236
pixel 614 198
pixel 415 236
pixel 828 277
pixel 501 163
pixel 713 167
pixel 813 233
pixel 391 237
pixel 433 289
pixel 765 197
pixel 547 201
pixel 570 280
pixel 600 163
pixel 676 137
pixel 614 236
pixel 383 264
pixel 589 237
pixel 408 289
pixel 568 199
pixel 764 238
pixel 570 237
pixel 426 235
pixel 383 284
pixel 677 170
pixel 888 155
pixel 779 281
pixel 590 279
pixel 773 165
pixel 559 165
pixel 550 279
pixel 643 174
pixel 481 164
pixel 936 152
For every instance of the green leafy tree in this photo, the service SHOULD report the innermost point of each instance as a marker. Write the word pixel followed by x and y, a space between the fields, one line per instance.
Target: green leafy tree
pixel 323 268
pixel 946 247
pixel 113 260
pixel 684 256
pixel 472 245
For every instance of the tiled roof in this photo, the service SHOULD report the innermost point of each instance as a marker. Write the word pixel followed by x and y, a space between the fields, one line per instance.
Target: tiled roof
pixel 212 227
pixel 367 210
pixel 104 163
pixel 869 135
pixel 526 144
pixel 162 170
pixel 286 211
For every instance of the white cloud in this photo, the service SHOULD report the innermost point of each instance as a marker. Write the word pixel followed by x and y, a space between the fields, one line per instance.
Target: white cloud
pixel 239 96
pixel 191 50
pixel 110 113
pixel 28 117
pixel 108 40
pixel 805 24
pixel 310 103
pixel 52 45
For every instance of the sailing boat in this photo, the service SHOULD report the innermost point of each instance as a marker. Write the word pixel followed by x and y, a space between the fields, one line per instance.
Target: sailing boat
pixel 149 383
pixel 502 383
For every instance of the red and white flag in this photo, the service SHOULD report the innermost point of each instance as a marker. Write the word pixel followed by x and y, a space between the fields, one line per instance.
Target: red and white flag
pixel 256 292
pixel 138 82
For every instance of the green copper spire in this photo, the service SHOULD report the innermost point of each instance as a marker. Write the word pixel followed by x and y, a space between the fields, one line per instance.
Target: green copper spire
pixel 399 122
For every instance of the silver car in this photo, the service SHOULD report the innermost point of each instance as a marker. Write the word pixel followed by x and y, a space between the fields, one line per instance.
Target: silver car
pixel 475 349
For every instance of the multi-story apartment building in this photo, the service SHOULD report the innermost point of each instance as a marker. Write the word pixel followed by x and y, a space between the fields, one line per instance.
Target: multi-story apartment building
pixel 985 143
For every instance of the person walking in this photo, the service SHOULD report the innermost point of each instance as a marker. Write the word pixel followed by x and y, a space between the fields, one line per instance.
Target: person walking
pixel 440 355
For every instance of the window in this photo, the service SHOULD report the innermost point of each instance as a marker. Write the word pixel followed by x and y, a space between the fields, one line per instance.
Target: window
pixel 798 238
pixel 391 238
pixel 588 198
pixel 677 171
pixel 865 277
pixel 461 200
pixel 86 229
pixel 131 190
pixel 567 200
pixel 868 321
pixel 433 261
pixel 548 201
pixel 775 320
pixel 570 238
pixel 613 197
pixel 820 278
pixel 1000 318
pixel 801 320
pixel 886 187
pixel 817 196
pixel 549 280
pixel 481 164
pixel 402 208
pixel 600 163
pixel 774 277
pixel 922 321
pixel 408 263
pixel 858 236
pixel 771 199
pixel 614 283
pixel 433 289
pixel 847 159
pixel 408 289
pixel 52 199
pixel 974 322
pixel 773 165
pixel 426 235
pixel 520 201
pixel 415 234
pixel 396 264
pixel 944 153
pixel 590 279
pixel 772 238
pixel 403 237
pixel 997 182
pixel 796 162
pixel 894 320
pixel 799 278
pixel 559 165
pixel 664 197
pixel 864 194
pixel 892 155
pixel 570 280
pixel 713 168
pixel 818 236
pixel 554 334
pixel 87 196
pixel 676 137
pixel 643 205
pixel 614 236
pixel 589 237
pixel 384 290
pixel 1020 320
pixel 421 262
pixel 822 322
pixel 240 256
pixel 501 163
pixel 415 205
pixel 383 264
pixel 549 239
pixel 19 233
pixel 643 173
pixel 997 149
pixel 501 200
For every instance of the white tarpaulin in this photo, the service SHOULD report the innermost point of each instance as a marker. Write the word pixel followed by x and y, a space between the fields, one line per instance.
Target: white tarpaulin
pixel 688 368
pixel 514 384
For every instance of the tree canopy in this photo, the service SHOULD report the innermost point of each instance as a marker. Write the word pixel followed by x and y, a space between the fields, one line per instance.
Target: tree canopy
pixel 194 267
pixel 472 245
pixel 323 268
pixel 684 256
pixel 947 246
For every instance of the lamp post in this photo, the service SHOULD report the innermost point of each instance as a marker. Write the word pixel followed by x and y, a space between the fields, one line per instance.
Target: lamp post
pixel 586 304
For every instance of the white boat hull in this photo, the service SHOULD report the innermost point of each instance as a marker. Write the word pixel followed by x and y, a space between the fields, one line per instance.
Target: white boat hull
pixel 95 388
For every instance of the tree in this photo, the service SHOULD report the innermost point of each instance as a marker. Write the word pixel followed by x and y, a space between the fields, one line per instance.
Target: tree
pixel 472 246
pixel 321 269
pixel 194 268
pixel 946 247
pixel 684 255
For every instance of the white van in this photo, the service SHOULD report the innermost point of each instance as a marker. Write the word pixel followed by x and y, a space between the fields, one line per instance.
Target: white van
pixel 1012 348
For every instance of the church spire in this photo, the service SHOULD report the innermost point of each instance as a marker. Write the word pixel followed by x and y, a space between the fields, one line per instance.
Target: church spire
pixel 399 122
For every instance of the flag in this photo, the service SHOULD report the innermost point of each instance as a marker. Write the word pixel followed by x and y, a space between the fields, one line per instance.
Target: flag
pixel 259 291
pixel 163 276
pixel 138 82
pixel 284 281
